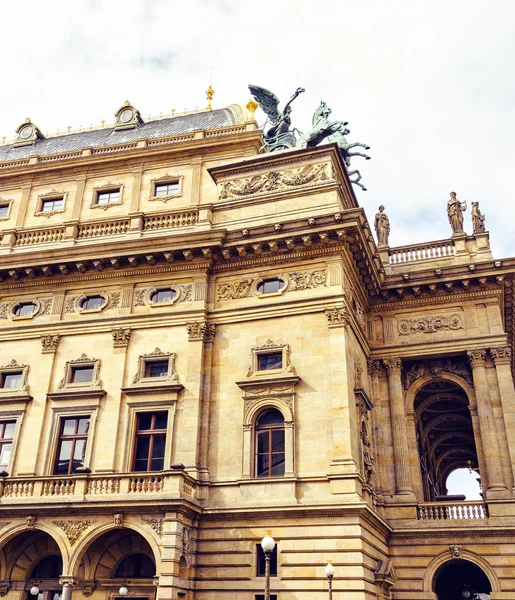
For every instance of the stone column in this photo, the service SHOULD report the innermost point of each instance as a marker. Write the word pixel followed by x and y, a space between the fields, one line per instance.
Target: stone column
pixel 491 450
pixel 68 583
pixel 399 429
pixel 502 360
pixel 373 366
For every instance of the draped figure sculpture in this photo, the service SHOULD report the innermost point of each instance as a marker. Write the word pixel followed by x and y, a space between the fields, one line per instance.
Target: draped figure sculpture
pixel 455 210
pixel 382 226
pixel 478 220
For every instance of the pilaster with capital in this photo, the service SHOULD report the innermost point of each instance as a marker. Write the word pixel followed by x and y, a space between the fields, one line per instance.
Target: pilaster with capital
pixel 502 359
pixel 399 430
pixel 491 450
pixel 373 368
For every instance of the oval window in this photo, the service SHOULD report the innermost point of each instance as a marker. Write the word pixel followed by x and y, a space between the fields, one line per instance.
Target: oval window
pixel 164 295
pixel 270 286
pixel 25 309
pixel 92 302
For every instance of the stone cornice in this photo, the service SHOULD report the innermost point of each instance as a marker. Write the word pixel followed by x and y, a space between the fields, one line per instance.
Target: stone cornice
pixel 397 304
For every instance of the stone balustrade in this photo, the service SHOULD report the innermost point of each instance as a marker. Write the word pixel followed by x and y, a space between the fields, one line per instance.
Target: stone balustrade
pixel 17 490
pixel 440 511
pixel 419 252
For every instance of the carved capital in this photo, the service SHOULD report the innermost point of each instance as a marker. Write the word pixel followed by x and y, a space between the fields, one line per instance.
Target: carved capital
pixel 373 367
pixel 393 365
pixel 289 424
pixel 501 355
pixel 456 550
pixel 67 580
pixel 247 427
pixel 4 587
pixel 199 331
pixel 477 357
pixel 337 317
pixel 121 337
pixel 49 344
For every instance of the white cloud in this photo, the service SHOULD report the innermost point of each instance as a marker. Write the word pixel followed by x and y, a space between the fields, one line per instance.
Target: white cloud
pixel 429 86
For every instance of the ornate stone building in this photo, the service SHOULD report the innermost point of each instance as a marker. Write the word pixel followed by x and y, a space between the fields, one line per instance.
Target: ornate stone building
pixel 200 342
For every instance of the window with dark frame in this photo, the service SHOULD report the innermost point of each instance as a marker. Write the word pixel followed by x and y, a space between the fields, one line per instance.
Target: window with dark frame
pixel 270 286
pixel 82 374
pixel 269 361
pixel 262 597
pixel 149 447
pixel 92 302
pixel 164 295
pixel 4 211
pixel 71 446
pixel 6 442
pixel 156 368
pixel 260 562
pixel 167 189
pixel 108 197
pixel 52 204
pixel 11 379
pixel 136 565
pixel 269 444
pixel 25 309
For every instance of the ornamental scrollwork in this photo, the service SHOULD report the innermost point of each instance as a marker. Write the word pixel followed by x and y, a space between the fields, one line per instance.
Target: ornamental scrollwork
pixel 501 355
pixel 233 290
pixel 303 280
pixel 155 523
pixel 73 529
pixel 274 181
pixel 429 324
pixel 121 337
pixel 436 368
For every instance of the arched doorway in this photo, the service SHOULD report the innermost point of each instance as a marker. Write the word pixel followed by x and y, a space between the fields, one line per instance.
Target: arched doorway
pixel 33 565
pixel 445 435
pixel 119 558
pixel 462 579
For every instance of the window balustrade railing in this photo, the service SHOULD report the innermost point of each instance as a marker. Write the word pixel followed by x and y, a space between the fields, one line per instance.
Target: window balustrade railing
pixel 455 511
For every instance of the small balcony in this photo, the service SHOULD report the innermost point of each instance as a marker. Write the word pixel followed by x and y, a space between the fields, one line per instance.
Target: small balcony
pixel 452 511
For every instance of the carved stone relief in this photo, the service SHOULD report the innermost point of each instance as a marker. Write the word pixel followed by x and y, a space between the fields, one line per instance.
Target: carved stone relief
pixel 141 295
pixel 42 309
pixel 73 529
pixel 200 331
pixel 156 523
pixel 275 181
pixel 414 370
pixel 432 324
pixel 112 300
pixel 188 542
pixel 296 280
pixel 121 337
pixel 49 343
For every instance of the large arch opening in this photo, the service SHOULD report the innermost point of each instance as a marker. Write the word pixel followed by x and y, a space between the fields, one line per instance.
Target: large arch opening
pixel 462 579
pixel 120 558
pixel 445 436
pixel 32 563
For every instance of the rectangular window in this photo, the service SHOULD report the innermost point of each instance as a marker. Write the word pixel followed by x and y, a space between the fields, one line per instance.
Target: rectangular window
pixel 108 197
pixel 156 368
pixel 260 562
pixel 52 204
pixel 269 361
pixel 149 452
pixel 71 447
pixel 6 442
pixel 4 211
pixel 82 374
pixel 11 380
pixel 167 189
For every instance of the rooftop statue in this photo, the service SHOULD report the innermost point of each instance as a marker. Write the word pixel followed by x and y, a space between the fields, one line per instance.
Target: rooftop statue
pixel 478 220
pixel 455 210
pixel 278 135
pixel 382 226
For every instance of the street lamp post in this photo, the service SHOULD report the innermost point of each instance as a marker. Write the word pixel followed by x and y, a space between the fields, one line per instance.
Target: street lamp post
pixel 329 572
pixel 268 545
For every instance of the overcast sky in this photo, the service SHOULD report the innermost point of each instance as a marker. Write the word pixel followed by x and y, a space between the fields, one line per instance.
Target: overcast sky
pixel 428 85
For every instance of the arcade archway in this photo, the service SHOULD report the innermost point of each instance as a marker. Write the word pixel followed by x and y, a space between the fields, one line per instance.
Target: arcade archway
pixel 445 435
pixel 462 579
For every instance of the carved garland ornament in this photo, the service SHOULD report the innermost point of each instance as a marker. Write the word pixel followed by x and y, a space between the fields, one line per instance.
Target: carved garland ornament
pixel 429 324
pixel 274 181
pixel 73 529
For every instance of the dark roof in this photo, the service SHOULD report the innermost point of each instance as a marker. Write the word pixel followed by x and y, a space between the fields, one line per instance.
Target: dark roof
pixel 215 119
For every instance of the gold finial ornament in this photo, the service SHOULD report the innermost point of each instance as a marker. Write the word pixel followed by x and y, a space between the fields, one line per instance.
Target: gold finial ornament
pixel 251 107
pixel 127 103
pixel 210 92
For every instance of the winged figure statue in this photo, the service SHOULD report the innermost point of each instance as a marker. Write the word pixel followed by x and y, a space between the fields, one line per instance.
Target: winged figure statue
pixel 278 135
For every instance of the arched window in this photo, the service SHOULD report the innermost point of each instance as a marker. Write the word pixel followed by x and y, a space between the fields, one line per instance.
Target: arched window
pixel 50 567
pixel 269 444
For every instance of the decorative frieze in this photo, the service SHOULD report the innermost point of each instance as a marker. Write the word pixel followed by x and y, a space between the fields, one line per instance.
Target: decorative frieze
pixel 49 343
pixel 73 528
pixel 303 280
pixel 233 290
pixel 275 181
pixel 121 337
pixel 429 324
pixel 156 523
